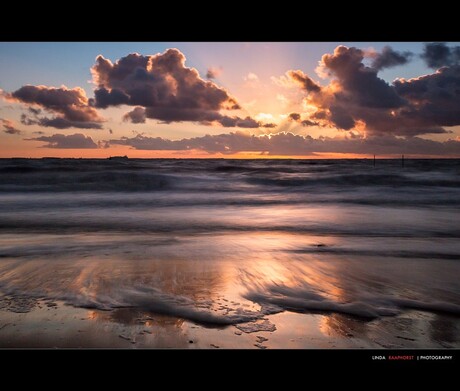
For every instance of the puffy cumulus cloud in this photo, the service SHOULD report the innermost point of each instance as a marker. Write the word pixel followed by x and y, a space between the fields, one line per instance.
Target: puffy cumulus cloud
pixel 289 144
pixel 356 98
pixel 61 141
pixel 136 116
pixel 357 83
pixel 8 126
pixel 390 58
pixel 438 54
pixel 166 89
pixel 70 107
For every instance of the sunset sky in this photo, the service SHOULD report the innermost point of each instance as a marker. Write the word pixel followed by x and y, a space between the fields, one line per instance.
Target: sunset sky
pixel 254 100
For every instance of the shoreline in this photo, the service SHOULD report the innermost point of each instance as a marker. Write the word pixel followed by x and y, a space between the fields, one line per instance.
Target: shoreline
pixel 53 324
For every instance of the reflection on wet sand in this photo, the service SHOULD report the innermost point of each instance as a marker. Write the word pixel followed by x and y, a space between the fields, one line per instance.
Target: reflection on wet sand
pixel 174 292
pixel 343 326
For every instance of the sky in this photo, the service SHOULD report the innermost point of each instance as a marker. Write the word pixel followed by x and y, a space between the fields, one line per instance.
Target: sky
pixel 229 100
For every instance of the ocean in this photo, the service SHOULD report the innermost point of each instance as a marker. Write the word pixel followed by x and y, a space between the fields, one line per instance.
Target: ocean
pixel 230 253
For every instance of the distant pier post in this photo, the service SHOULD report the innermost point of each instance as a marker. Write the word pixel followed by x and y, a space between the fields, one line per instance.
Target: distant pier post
pixel 402 161
pixel 374 160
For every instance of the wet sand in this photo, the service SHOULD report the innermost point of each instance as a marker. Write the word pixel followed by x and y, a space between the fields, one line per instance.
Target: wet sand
pixel 244 294
pixel 52 324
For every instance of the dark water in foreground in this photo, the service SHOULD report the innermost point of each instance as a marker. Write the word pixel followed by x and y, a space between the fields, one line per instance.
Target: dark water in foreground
pixel 234 242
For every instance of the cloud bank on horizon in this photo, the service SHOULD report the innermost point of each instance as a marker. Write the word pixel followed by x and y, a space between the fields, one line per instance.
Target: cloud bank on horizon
pixel 369 114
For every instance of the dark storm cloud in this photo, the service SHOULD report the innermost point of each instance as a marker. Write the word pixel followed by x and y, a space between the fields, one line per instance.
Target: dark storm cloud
pixel 136 116
pixel 357 97
pixel 290 144
pixel 61 141
pixel 71 107
pixel 8 127
pixel 390 58
pixel 167 90
pixel 438 54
